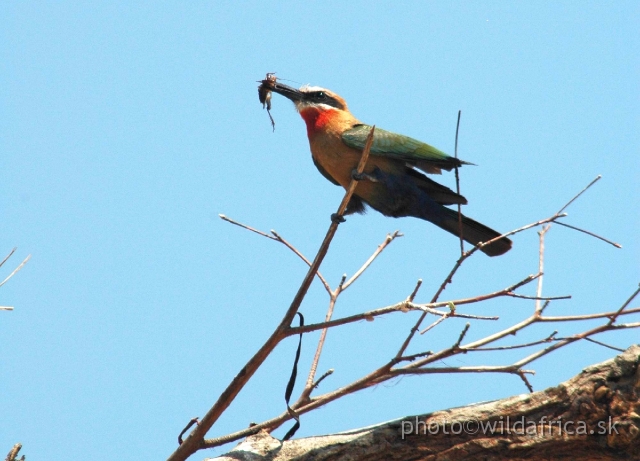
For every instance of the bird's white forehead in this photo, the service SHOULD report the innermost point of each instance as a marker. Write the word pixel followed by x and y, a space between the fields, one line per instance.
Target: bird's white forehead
pixel 308 88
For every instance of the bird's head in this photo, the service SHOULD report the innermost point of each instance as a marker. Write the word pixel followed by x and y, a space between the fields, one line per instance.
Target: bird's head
pixel 318 107
pixel 311 97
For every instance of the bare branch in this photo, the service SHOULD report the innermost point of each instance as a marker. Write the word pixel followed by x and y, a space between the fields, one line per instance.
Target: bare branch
pixel 8 256
pixel 463 333
pixel 572 318
pixel 600 343
pixel 390 238
pixel 617 245
pixel 597 178
pixel 541 235
pixel 415 291
pixel 624 306
pixel 523 377
pixel 481 369
pixel 411 358
pixel 571 339
pixel 548 339
pixel 342 280
pixel 321 378
pixel 545 305
pixel 436 323
pixel 276 237
pixel 15 270
pixel 552 219
pixel 244 226
pixel 301 256
pixel 544 298
pixel 13 454
pixel 458 187
pixel 316 359
pixel 191 422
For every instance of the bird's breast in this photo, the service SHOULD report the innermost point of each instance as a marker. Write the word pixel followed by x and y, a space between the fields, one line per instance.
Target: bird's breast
pixel 337 159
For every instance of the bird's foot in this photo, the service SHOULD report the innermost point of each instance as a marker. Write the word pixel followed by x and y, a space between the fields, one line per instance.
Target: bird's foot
pixel 360 176
pixel 336 218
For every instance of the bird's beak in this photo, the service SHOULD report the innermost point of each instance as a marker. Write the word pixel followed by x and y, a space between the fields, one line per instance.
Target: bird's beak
pixel 288 92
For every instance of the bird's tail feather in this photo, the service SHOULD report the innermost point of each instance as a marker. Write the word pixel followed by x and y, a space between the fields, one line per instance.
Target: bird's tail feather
pixel 474 232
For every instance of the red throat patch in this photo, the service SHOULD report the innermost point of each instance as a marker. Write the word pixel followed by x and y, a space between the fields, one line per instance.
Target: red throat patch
pixel 316 119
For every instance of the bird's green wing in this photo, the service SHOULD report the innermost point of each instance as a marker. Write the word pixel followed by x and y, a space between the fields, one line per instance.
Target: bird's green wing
pixel 412 151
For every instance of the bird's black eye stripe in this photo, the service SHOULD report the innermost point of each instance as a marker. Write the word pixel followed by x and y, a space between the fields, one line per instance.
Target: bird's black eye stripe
pixel 321 96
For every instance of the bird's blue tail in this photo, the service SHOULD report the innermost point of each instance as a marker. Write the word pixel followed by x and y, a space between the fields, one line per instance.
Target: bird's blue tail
pixel 472 231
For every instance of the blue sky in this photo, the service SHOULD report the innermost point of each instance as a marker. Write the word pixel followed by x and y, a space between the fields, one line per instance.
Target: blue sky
pixel 127 127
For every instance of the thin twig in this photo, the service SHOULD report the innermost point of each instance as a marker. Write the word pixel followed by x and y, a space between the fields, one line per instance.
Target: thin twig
pixel 597 178
pixel 191 422
pixel 370 315
pixel 301 256
pixel 390 238
pixel 522 375
pixel 8 256
pixel 617 245
pixel 463 333
pixel 573 318
pixel 541 235
pixel 436 323
pixel 548 339
pixel 411 358
pixel 543 298
pixel 16 270
pixel 415 291
pixel 316 358
pixel 458 187
pixel 571 339
pixel 276 237
pixel 244 226
pixel 480 369
pixel 552 219
pixel 544 306
pixel 321 378
pixel 342 280
pixel 454 314
pixel 600 343
pixel 495 294
pixel 13 454
pixel 624 306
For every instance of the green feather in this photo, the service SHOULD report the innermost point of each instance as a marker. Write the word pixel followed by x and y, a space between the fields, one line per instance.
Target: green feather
pixel 392 145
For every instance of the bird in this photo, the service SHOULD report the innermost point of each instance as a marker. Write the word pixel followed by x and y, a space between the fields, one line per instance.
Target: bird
pixel 393 182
